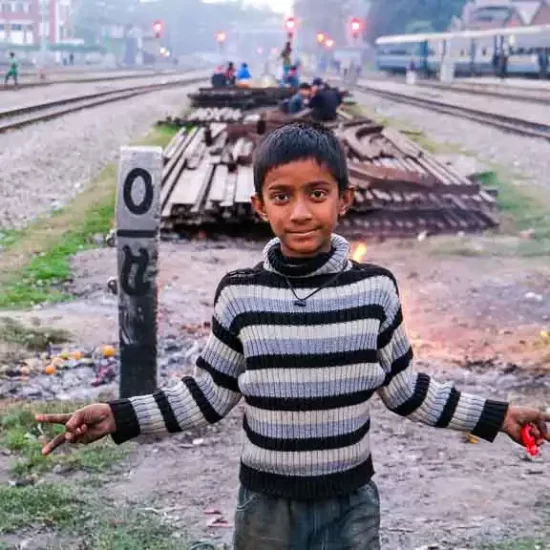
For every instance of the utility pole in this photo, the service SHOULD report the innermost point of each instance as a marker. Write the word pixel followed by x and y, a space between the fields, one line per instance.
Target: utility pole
pixel 44 34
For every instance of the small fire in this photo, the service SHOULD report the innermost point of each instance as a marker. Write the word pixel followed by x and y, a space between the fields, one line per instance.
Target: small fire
pixel 358 252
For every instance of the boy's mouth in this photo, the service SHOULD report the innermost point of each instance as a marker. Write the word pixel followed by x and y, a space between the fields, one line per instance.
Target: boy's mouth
pixel 303 233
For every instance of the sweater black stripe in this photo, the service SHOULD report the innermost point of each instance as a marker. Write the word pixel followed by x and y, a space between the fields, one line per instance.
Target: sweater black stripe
pixel 225 336
pixel 307 318
pixel 306 488
pixel 274 280
pixel 220 378
pixel 449 409
pixel 311 361
pixel 305 444
pixel 384 338
pixel 210 414
pixel 417 398
pixel 398 366
pixel 309 403
pixel 168 415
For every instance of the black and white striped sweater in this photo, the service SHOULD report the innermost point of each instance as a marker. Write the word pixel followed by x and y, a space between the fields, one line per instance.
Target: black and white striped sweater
pixel 306 374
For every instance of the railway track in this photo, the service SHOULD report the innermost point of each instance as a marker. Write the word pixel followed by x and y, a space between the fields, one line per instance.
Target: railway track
pixel 503 122
pixel 91 80
pixel 12 119
pixel 512 93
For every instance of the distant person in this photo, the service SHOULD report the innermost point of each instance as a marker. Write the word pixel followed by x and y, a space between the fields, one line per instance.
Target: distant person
pixel 324 101
pixel 306 340
pixel 299 100
pixel 71 59
pixel 13 70
pixel 243 74
pixel 292 77
pixel 219 79
pixel 286 56
pixel 230 74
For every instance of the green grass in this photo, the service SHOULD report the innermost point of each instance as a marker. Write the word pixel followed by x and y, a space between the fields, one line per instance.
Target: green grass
pixel 38 506
pixel 96 523
pixel 20 434
pixel 50 243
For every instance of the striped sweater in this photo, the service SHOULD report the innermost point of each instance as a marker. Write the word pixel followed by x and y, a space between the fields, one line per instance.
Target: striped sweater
pixel 307 374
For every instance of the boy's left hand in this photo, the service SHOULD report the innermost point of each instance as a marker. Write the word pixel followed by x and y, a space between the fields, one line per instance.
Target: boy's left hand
pixel 518 417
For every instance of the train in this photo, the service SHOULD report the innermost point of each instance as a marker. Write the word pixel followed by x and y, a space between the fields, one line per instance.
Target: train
pixel 514 51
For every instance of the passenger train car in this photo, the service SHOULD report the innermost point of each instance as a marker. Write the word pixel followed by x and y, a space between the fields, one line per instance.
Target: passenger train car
pixel 526 51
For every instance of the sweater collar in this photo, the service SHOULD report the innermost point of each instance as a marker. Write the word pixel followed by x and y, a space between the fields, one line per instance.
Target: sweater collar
pixel 321 264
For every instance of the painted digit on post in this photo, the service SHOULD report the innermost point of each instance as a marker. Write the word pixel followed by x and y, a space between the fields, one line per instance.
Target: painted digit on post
pixel 137 230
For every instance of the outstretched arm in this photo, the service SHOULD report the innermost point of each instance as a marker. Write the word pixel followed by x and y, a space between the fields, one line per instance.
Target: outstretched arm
pixel 417 395
pixel 194 401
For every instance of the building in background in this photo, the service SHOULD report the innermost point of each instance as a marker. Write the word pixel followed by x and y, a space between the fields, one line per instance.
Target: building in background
pixel 24 22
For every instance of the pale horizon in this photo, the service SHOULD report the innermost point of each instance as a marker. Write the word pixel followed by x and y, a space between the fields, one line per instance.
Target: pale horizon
pixel 281 6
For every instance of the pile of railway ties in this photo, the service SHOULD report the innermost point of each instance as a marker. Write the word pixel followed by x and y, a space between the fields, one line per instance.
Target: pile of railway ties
pixel 401 189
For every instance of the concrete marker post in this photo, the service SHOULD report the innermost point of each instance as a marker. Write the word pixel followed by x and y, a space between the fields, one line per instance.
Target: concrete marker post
pixel 137 241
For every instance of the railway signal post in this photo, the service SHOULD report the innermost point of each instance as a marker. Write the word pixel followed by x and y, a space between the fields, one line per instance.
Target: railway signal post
pixel 137 241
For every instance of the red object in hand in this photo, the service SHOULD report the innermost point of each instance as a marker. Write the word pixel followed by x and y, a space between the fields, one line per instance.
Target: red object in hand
pixel 529 440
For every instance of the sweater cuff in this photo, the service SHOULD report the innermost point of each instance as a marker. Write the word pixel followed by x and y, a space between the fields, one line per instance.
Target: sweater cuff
pixel 127 424
pixel 491 420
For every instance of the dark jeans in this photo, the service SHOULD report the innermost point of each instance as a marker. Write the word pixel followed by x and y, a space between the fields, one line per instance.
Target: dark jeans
pixel 351 522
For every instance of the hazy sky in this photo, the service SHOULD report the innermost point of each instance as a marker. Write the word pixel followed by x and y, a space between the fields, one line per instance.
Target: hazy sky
pixel 277 5
pixel 283 6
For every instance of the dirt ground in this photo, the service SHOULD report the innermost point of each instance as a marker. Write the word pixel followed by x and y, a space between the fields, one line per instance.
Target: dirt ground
pixel 475 320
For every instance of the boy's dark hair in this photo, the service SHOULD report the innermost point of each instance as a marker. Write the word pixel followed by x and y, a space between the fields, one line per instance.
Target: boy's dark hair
pixel 300 141
pixel 304 86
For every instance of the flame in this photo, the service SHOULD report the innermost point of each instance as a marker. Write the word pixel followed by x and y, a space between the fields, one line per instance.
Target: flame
pixel 359 251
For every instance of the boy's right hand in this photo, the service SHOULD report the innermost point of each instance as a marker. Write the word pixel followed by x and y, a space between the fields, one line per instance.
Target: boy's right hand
pixel 83 426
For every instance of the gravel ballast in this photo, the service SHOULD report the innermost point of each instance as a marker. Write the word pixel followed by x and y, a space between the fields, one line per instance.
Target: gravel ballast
pixel 45 165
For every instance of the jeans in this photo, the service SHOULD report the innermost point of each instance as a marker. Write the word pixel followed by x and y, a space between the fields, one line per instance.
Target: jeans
pixel 350 522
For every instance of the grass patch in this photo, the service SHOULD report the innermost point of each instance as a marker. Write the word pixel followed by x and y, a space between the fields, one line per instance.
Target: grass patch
pixel 38 506
pixel 20 434
pixel 96 523
pixel 36 261
pixel 34 338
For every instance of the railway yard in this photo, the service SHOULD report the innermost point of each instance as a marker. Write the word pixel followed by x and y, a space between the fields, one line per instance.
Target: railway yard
pixel 452 195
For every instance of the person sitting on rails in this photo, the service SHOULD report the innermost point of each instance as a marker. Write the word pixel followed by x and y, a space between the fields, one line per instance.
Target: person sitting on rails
pixel 219 78
pixel 243 76
pixel 307 337
pixel 298 101
pixel 324 101
pixel 230 76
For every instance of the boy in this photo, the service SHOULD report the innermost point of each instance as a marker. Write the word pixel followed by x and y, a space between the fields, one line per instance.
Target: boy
pixel 307 337
pixel 12 70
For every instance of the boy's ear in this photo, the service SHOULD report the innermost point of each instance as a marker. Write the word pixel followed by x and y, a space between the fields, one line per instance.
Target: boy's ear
pixel 259 206
pixel 346 200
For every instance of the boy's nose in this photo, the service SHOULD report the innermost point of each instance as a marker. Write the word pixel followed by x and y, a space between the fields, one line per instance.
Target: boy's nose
pixel 300 212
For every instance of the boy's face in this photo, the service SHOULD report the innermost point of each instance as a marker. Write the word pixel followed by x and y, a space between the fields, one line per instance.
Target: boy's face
pixel 304 92
pixel 301 202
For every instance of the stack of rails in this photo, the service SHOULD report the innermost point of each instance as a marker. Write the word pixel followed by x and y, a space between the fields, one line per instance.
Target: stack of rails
pixel 243 98
pixel 401 190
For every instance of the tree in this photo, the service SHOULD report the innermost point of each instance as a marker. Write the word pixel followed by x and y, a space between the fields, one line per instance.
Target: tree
pixel 395 16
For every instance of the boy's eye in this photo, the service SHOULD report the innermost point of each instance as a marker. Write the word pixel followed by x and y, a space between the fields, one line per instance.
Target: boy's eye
pixel 279 197
pixel 319 194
